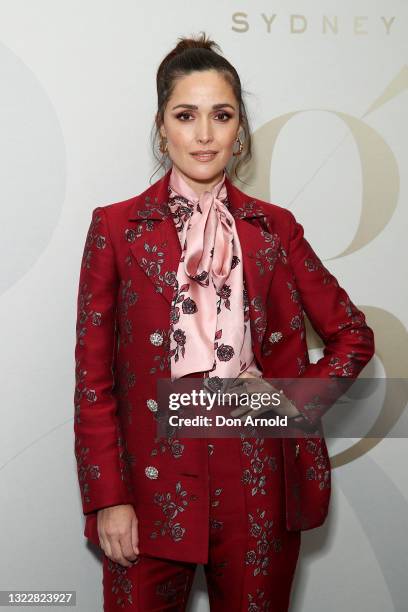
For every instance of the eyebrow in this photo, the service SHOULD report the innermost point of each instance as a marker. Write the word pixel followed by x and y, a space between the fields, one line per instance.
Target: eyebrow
pixel 195 107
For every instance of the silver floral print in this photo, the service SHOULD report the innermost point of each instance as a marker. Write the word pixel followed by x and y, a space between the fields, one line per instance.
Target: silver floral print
pixel 171 509
pixel 264 543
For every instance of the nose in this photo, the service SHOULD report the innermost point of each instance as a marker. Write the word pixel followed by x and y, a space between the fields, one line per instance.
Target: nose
pixel 204 132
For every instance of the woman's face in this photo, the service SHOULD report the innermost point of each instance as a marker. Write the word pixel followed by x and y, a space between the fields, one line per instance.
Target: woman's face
pixel 201 115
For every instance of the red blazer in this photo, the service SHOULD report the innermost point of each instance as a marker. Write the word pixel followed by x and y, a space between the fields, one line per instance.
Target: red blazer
pixel 126 286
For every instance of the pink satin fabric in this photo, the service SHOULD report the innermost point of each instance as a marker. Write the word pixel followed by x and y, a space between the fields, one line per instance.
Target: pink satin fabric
pixel 210 329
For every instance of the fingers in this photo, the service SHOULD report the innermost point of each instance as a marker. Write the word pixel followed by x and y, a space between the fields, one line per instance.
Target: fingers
pixel 135 536
pixel 118 547
pixel 118 534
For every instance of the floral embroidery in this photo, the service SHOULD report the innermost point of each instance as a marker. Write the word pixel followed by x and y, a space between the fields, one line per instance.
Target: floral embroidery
pixel 297 322
pixel 128 299
pixel 216 502
pixel 170 588
pixel 283 255
pixel 257 603
pixel 255 476
pixel 92 238
pixel 314 263
pixel 320 471
pixel 265 543
pixel 126 380
pixel 152 267
pixel 356 316
pixel 261 321
pixel 249 209
pixel 175 446
pixel 294 293
pixel 302 362
pixel 162 210
pixel 215 524
pixel 161 338
pixel 132 233
pixel 85 314
pixel 265 258
pixel 345 368
pixel 272 239
pixel 122 585
pixel 86 471
pixel 81 390
pixel 171 509
pixel 126 461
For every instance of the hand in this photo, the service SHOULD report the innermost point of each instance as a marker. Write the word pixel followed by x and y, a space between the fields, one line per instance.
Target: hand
pixel 256 384
pixel 118 534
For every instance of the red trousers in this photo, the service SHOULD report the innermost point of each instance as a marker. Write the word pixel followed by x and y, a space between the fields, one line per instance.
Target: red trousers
pixel 252 557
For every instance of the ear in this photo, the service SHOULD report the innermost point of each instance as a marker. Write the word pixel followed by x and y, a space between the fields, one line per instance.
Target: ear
pixel 162 131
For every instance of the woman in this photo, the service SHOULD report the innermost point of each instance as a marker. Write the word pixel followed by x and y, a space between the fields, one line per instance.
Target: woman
pixel 194 278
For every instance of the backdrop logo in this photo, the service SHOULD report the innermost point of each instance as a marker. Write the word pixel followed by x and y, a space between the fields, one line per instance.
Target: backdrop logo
pixel 379 198
pixel 359 25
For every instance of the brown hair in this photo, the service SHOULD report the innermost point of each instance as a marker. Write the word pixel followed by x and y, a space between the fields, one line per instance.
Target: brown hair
pixel 188 55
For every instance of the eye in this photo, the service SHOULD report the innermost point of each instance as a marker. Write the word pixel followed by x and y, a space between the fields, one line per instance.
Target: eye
pixel 227 115
pixel 182 115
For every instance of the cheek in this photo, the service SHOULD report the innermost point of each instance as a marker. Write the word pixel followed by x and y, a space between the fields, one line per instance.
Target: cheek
pixel 181 139
pixel 229 139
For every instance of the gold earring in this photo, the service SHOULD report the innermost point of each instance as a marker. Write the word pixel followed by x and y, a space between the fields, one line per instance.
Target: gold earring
pixel 241 146
pixel 163 149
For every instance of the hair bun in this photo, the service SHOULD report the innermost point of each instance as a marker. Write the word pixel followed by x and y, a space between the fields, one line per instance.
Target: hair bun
pixel 202 42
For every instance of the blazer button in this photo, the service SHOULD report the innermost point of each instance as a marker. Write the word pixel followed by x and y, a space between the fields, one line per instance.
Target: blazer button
pixel 152 405
pixel 156 338
pixel 151 472
pixel 297 450
pixel 275 336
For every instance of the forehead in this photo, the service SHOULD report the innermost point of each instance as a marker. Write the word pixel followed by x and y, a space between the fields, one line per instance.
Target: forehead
pixel 202 85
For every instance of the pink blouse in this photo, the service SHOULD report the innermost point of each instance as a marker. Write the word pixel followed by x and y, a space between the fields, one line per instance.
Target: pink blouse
pixel 210 326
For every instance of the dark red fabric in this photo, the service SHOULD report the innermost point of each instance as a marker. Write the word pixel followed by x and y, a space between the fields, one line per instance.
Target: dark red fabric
pixel 125 301
pixel 252 557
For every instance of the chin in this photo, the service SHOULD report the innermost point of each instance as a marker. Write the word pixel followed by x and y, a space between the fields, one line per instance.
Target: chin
pixel 202 172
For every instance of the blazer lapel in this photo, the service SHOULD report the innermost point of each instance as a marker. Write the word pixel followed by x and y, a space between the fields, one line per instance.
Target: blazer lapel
pixel 157 248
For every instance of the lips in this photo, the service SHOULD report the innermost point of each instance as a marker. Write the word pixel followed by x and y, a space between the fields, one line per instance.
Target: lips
pixel 204 156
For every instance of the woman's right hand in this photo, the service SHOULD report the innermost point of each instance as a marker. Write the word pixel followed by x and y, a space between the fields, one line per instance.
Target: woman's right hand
pixel 118 533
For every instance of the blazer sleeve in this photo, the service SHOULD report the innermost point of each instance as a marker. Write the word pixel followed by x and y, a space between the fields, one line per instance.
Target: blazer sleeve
pixel 349 341
pixel 98 440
